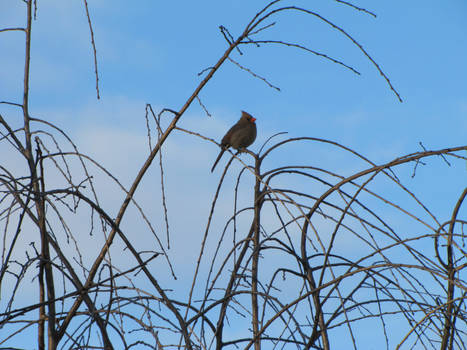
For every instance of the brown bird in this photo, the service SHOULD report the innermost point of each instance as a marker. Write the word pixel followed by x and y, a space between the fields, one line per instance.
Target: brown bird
pixel 240 136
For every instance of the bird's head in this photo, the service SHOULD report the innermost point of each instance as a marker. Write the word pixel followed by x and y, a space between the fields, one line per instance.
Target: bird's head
pixel 248 117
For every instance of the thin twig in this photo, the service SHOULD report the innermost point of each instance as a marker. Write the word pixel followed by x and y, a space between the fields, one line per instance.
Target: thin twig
pixel 306 49
pixel 357 8
pixel 253 74
pixel 93 47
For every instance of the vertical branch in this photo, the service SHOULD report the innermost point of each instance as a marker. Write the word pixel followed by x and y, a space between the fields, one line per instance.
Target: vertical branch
pixel 161 166
pixel 32 168
pixel 256 249
pixel 450 270
pixel 37 188
pixel 93 47
pixel 45 261
pixel 319 319
pixel 41 323
pixel 25 105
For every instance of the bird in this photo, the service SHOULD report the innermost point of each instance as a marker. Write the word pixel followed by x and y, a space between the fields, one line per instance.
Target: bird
pixel 239 136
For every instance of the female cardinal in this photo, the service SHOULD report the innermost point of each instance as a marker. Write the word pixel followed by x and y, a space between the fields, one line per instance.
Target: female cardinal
pixel 240 136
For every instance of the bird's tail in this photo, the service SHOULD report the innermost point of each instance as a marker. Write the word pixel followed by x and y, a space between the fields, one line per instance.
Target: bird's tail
pixel 218 158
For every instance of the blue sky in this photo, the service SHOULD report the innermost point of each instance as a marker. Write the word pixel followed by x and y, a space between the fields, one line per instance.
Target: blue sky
pixel 152 52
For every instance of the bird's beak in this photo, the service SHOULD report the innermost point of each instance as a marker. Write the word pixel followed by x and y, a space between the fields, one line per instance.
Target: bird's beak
pixel 253 120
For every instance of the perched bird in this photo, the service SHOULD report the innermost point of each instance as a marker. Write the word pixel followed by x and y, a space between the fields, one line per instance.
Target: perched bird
pixel 240 136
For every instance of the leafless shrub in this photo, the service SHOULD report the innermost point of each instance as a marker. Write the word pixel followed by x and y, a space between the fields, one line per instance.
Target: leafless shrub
pixel 282 274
